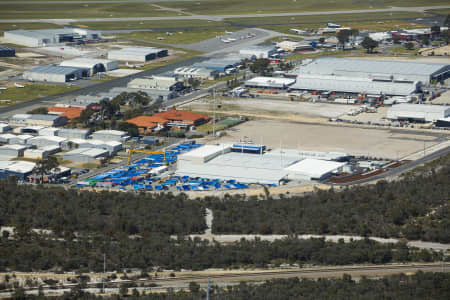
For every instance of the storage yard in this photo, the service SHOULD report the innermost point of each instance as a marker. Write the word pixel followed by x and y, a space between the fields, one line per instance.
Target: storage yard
pixel 383 143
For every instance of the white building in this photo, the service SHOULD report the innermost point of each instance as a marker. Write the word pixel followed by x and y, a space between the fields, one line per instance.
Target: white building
pixel 4 127
pixel 354 85
pixel 383 70
pixel 12 150
pixel 85 155
pixel 94 65
pixel 258 51
pixel 270 82
pixel 20 139
pixel 313 169
pixel 204 153
pixel 41 153
pixel 49 131
pixel 47 37
pixel 293 46
pixel 196 73
pixel 164 83
pixel 69 133
pixel 37 120
pixel 110 135
pixel 52 73
pixel 418 112
pixel 137 54
pixel 42 141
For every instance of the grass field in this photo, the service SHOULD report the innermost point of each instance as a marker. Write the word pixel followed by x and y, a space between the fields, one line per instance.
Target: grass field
pixel 12 26
pixel 151 24
pixel 270 6
pixel 32 91
pixel 94 10
pixel 361 21
pixel 179 37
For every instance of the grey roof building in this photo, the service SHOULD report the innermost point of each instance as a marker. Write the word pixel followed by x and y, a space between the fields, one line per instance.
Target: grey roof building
pixel 94 65
pixel 12 150
pixel 37 120
pixel 109 135
pixel 52 73
pixel 85 155
pixel 375 69
pixel 418 112
pixel 73 133
pixel 46 37
pixel 138 54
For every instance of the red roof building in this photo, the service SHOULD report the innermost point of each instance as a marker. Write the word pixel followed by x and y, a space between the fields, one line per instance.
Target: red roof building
pixel 148 124
pixel 68 112
pixel 183 118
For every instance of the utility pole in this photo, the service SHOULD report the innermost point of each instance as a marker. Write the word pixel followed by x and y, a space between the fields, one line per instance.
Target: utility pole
pixel 104 271
pixel 207 291
pixel 214 112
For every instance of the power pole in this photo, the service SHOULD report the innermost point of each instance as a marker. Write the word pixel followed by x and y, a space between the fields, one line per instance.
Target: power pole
pixel 207 291
pixel 214 112
pixel 104 271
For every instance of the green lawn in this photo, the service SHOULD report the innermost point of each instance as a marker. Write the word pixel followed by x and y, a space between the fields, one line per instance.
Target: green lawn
pixel 151 24
pixel 94 10
pixel 361 21
pixel 179 36
pixel 403 50
pixel 12 26
pixel 269 6
pixel 32 91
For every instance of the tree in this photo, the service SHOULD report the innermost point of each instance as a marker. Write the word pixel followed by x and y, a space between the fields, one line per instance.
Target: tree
pixel 194 287
pixel 260 66
pixel 38 111
pixel 369 44
pixel 123 291
pixel 131 129
pixel 43 166
pixel 447 21
pixel 425 41
pixel 409 46
pixel 445 36
pixel 343 37
pixel 396 40
pixel 435 30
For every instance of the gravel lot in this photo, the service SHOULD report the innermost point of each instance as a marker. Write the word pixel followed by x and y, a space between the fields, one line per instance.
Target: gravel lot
pixel 383 143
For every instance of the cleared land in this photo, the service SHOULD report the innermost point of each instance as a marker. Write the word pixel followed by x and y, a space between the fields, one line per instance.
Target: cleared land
pixel 266 6
pixel 357 141
pixel 30 92
pixel 94 10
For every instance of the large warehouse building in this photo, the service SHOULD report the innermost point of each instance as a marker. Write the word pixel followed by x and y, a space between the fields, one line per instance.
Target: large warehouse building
pixel 270 82
pixel 138 54
pixel 47 37
pixel 354 85
pixel 52 73
pixel 94 65
pixel 383 70
pixel 228 162
pixel 418 112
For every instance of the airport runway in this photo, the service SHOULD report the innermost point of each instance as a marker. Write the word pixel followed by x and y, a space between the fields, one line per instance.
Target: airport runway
pixel 222 17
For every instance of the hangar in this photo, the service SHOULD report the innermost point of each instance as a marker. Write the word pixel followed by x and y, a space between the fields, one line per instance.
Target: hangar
pixel 418 112
pixel 52 73
pixel 258 51
pixel 46 37
pixel 94 65
pixel 138 54
pixel 406 71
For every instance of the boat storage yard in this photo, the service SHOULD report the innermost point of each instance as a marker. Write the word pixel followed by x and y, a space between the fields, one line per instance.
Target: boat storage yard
pixel 196 167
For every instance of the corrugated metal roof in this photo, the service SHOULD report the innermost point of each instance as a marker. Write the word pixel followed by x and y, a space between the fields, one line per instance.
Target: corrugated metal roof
pixel 314 168
pixel 332 65
pixel 353 85
pixel 44 117
pixel 422 108
pixel 50 69
pixel 83 62
pixel 137 51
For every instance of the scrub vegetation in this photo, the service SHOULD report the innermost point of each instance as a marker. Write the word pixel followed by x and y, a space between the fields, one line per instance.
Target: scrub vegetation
pixel 30 92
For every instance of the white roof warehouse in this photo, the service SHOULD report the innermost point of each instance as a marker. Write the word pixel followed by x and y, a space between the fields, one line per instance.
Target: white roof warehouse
pixel 418 112
pixel 93 64
pixel 139 54
pixel 376 69
pixel 270 82
pixel 55 73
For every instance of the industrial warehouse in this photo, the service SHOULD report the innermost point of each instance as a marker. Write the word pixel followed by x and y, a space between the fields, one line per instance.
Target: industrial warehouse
pixel 418 113
pixel 251 163
pixel 137 54
pixel 47 37
pixel 93 64
pixel 55 73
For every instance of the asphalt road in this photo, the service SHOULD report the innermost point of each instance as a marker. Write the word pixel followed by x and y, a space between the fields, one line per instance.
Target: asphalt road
pixel 221 17
pixel 401 169
pixel 259 276
pixel 103 86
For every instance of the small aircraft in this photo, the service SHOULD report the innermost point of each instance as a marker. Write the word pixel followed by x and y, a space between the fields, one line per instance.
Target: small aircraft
pixel 228 32
pixel 18 85
pixel 226 41
pixel 3 88
pixel 332 25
